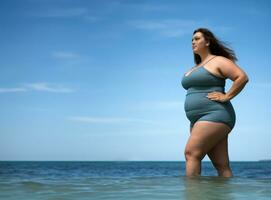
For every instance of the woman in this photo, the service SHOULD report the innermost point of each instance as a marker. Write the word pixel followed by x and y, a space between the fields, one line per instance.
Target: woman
pixel 207 106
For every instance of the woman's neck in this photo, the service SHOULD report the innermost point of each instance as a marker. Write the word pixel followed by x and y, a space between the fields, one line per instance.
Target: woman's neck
pixel 205 56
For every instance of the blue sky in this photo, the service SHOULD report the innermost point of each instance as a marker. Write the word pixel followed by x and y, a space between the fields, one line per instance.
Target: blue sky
pixel 101 80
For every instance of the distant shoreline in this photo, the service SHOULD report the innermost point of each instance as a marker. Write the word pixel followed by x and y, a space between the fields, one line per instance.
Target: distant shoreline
pixel 151 161
pixel 265 160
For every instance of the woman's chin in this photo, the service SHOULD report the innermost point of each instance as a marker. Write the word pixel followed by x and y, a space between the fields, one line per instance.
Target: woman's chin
pixel 195 51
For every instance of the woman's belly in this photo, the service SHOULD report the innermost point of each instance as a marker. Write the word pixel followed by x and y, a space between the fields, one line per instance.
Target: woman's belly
pixel 198 106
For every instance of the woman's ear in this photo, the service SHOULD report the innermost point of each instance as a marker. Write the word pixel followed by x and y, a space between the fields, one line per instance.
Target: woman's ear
pixel 207 43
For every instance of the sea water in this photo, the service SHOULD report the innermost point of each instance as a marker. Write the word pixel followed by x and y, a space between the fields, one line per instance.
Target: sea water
pixel 131 180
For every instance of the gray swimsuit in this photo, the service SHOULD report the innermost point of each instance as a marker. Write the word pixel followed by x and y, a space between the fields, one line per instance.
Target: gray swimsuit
pixel 197 106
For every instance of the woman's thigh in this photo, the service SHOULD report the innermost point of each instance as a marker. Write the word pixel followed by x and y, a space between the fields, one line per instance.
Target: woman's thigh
pixel 219 153
pixel 205 135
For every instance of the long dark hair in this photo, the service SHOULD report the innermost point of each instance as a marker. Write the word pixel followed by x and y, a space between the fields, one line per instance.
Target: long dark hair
pixel 216 46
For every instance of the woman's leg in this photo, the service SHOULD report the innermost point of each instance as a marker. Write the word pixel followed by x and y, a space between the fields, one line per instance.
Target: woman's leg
pixel 205 135
pixel 220 158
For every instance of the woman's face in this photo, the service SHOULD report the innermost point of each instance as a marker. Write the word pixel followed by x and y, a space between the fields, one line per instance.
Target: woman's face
pixel 199 43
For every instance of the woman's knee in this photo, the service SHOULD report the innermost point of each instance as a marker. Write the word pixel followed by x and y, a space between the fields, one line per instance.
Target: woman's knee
pixel 193 154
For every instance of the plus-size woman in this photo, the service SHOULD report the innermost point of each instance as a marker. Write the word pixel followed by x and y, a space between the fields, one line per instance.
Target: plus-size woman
pixel 207 105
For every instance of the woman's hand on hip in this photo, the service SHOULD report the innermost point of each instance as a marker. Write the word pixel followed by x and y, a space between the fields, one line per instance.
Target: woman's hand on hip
pixel 217 96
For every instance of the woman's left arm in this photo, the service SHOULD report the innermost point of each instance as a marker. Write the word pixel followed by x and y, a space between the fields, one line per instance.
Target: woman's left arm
pixel 230 70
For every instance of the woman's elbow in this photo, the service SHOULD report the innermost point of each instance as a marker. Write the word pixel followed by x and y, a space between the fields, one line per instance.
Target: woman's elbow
pixel 245 78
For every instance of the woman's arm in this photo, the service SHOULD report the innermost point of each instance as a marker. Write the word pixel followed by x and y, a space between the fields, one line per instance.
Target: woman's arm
pixel 237 86
pixel 229 69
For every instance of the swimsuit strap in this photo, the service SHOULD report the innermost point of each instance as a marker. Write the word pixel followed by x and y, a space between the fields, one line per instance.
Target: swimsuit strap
pixel 206 62
pixel 194 68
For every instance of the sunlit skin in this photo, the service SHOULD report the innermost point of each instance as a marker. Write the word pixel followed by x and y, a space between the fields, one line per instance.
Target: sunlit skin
pixel 211 138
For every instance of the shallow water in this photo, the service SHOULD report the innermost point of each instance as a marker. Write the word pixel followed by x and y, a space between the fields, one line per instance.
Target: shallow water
pixel 130 180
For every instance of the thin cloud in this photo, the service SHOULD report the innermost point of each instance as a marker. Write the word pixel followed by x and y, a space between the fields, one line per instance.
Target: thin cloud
pixel 48 88
pixel 92 18
pixel 65 55
pixel 168 28
pixel 42 87
pixel 97 120
pixel 69 58
pixel 66 13
pixel 12 90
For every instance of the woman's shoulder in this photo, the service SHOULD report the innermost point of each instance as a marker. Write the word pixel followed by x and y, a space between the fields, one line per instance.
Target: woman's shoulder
pixel 221 60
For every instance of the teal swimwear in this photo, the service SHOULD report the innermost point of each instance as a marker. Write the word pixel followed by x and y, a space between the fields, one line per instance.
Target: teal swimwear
pixel 198 107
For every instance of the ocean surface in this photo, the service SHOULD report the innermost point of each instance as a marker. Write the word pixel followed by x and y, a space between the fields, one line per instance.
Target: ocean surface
pixel 131 180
